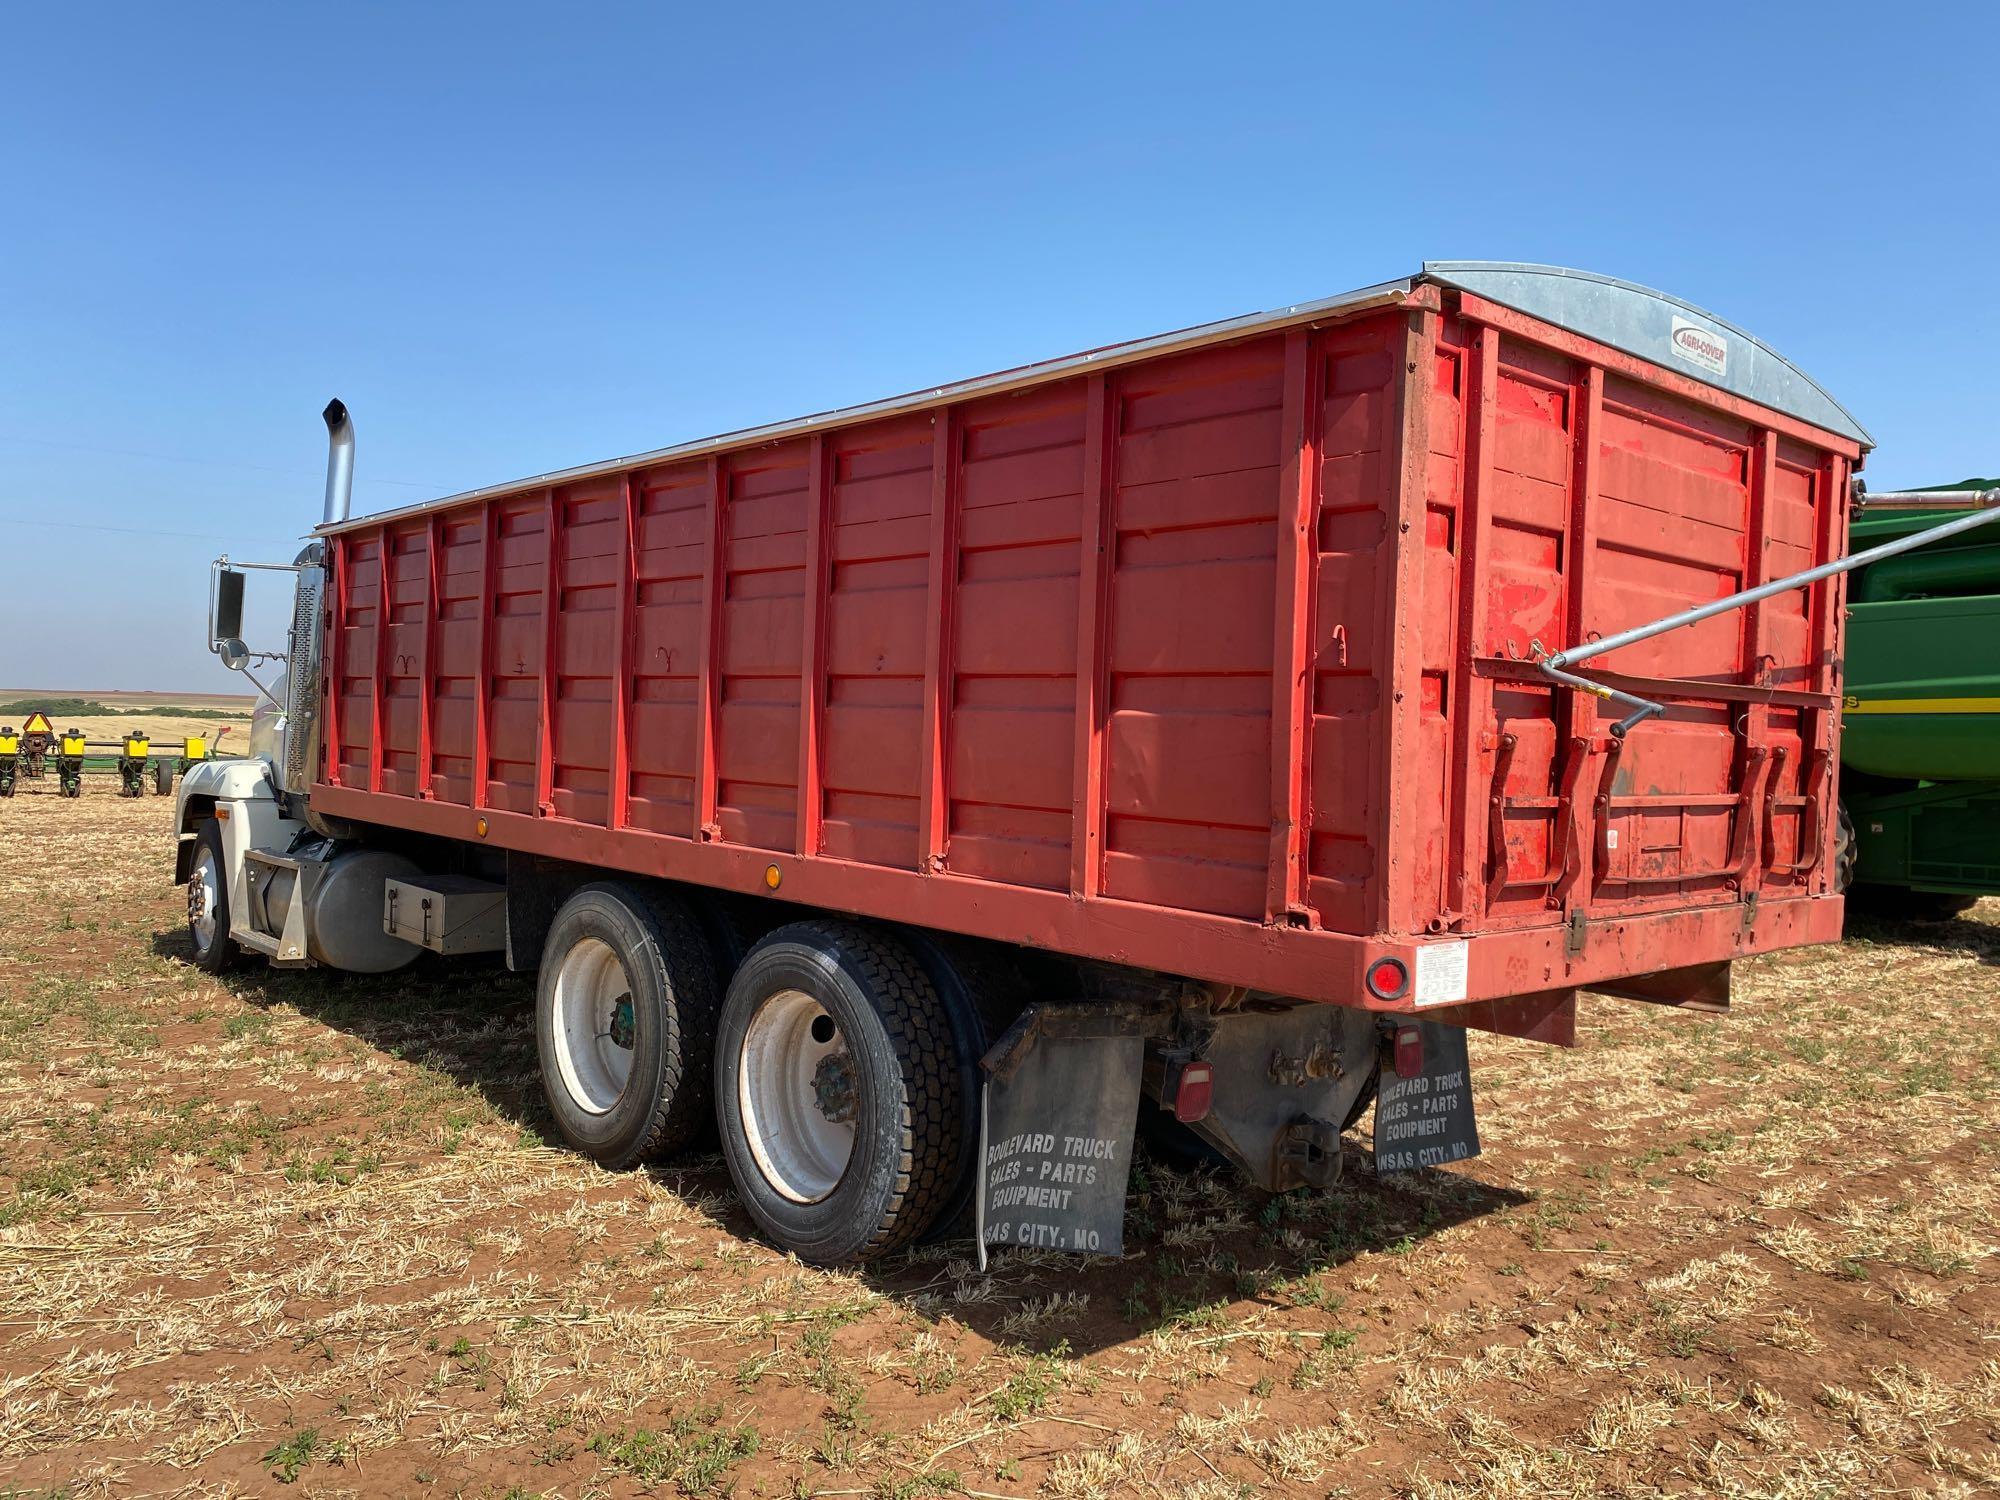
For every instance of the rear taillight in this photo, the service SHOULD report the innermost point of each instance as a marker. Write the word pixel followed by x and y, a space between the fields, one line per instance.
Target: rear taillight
pixel 1409 1052
pixel 1194 1092
pixel 1387 979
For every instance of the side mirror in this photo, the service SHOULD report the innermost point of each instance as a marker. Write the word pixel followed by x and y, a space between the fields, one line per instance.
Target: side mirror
pixel 234 654
pixel 225 616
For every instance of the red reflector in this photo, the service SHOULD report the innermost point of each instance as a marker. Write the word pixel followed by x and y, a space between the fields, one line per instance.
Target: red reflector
pixel 1387 979
pixel 1409 1052
pixel 1195 1092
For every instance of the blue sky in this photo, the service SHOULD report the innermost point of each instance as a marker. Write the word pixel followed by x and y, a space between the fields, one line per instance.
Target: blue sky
pixel 515 238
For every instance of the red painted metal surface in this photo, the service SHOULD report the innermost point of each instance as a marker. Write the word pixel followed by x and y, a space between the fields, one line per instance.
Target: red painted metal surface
pixel 1215 662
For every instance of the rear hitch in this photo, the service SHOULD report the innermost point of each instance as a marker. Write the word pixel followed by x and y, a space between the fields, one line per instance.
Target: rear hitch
pixel 1310 1150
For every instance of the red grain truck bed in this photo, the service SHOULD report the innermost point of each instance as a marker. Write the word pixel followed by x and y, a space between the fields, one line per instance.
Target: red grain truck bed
pixel 1209 654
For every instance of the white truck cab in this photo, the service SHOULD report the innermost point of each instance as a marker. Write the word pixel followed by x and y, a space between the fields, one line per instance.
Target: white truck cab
pixel 263 874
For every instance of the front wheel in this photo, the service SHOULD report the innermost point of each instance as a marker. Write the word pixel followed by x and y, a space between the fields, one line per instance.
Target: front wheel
pixel 839 1093
pixel 624 1021
pixel 208 901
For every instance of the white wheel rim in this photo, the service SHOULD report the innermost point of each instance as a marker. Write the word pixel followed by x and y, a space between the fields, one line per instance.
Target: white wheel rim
pixel 201 900
pixel 798 1091
pixel 594 1025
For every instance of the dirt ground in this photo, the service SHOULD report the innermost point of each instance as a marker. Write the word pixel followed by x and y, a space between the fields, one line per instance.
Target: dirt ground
pixel 303 1234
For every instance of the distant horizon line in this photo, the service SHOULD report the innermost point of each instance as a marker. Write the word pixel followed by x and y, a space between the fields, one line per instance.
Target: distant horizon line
pixel 10 693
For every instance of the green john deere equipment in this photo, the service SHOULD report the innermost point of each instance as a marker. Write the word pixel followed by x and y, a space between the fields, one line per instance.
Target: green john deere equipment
pixel 1920 742
pixel 70 750
pixel 133 754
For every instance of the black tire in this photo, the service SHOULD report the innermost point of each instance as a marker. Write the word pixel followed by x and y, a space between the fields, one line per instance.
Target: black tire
pixel 666 964
pixel 983 987
pixel 220 952
pixel 729 923
pixel 1174 1145
pixel 1846 852
pixel 726 923
pixel 909 1151
pixel 1362 1100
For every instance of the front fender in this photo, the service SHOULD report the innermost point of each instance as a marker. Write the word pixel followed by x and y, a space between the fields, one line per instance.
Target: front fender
pixel 247 786
pixel 211 781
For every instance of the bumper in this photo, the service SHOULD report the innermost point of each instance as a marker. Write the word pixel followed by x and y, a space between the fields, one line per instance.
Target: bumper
pixel 1580 954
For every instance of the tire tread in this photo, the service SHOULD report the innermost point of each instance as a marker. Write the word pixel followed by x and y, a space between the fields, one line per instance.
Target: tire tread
pixel 913 1015
pixel 225 955
pixel 685 1101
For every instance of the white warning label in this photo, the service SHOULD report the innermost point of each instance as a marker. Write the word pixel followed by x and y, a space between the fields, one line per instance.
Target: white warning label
pixel 1441 973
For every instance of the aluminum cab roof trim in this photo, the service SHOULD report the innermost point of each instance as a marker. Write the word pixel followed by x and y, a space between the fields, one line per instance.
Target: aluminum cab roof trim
pixel 1617 313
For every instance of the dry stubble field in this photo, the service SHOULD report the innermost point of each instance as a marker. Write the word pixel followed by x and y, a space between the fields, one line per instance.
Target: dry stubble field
pixel 299 1234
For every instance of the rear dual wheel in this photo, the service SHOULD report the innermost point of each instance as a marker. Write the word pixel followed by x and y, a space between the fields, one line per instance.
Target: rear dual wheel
pixel 836 1071
pixel 839 1092
pixel 625 1010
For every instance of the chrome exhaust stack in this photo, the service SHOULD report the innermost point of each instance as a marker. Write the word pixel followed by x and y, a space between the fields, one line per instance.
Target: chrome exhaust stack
pixel 300 753
pixel 339 462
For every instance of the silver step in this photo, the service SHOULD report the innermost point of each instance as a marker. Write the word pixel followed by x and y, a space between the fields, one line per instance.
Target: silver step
pixel 285 949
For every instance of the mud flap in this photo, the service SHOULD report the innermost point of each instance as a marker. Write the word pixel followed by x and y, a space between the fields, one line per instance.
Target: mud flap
pixel 1423 1102
pixel 1059 1108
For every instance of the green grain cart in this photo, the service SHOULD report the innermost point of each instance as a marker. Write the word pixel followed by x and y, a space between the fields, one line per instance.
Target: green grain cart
pixel 1920 746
